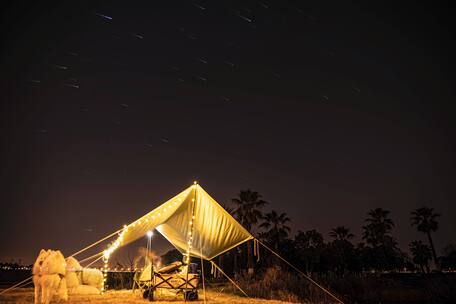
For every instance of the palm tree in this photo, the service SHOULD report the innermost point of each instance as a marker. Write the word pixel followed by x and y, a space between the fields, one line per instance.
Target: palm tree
pixel 309 245
pixel 384 248
pixel 425 220
pixel 378 227
pixel 421 254
pixel 247 210
pixel 277 228
pixel 341 233
pixel 309 239
pixel 342 250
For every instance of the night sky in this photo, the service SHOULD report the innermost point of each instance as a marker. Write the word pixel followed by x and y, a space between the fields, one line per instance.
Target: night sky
pixel 327 108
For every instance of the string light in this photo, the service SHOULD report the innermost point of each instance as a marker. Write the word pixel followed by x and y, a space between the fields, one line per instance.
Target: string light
pixel 105 273
pixel 190 239
pixel 114 245
pixel 107 253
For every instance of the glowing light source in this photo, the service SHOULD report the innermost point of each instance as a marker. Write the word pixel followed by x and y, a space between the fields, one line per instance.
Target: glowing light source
pixel 150 233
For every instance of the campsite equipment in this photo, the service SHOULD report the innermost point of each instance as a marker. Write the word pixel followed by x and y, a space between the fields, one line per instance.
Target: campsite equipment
pixel 191 221
pixel 175 276
pixel 196 225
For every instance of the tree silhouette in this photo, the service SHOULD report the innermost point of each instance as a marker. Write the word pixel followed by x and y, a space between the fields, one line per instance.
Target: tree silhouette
pixel 421 254
pixel 277 230
pixel 378 227
pixel 247 211
pixel 384 252
pixel 310 246
pixel 342 251
pixel 425 221
pixel 341 233
pixel 448 259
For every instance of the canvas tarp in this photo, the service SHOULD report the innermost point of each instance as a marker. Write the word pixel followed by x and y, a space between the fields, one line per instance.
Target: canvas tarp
pixel 214 229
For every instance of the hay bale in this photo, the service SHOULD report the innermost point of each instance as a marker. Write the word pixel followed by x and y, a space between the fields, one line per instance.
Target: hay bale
pixel 72 279
pixel 85 290
pixel 62 292
pixel 42 256
pixel 72 276
pixel 54 264
pixel 92 277
pixel 73 264
pixel 49 285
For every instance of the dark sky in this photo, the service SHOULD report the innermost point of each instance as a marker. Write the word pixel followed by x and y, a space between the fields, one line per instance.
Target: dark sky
pixel 327 108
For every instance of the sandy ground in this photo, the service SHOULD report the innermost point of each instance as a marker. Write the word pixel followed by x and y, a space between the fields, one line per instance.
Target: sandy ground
pixel 126 296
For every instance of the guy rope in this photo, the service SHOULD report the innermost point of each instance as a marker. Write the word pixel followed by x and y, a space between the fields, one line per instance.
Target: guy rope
pixel 302 273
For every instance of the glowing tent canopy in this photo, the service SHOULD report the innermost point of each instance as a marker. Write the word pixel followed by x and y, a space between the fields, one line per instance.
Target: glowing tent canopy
pixel 192 221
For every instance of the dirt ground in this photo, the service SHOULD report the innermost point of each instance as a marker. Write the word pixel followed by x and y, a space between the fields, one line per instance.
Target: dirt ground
pixel 25 295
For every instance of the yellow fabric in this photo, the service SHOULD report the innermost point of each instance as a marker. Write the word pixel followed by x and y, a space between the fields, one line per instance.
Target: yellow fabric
pixel 146 274
pixel 214 230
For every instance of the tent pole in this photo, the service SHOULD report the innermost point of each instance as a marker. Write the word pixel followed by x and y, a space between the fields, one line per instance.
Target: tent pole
pixel 202 273
pixel 234 283
pixel 192 224
pixel 302 273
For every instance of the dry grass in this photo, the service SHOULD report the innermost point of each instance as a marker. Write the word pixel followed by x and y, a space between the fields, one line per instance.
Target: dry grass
pixel 278 284
pixel 22 296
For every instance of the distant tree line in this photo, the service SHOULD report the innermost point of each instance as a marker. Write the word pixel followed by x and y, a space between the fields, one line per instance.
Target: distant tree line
pixel 310 251
pixel 14 266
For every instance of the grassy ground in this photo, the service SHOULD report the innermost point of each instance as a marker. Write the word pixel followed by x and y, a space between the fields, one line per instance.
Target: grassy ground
pixel 25 295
